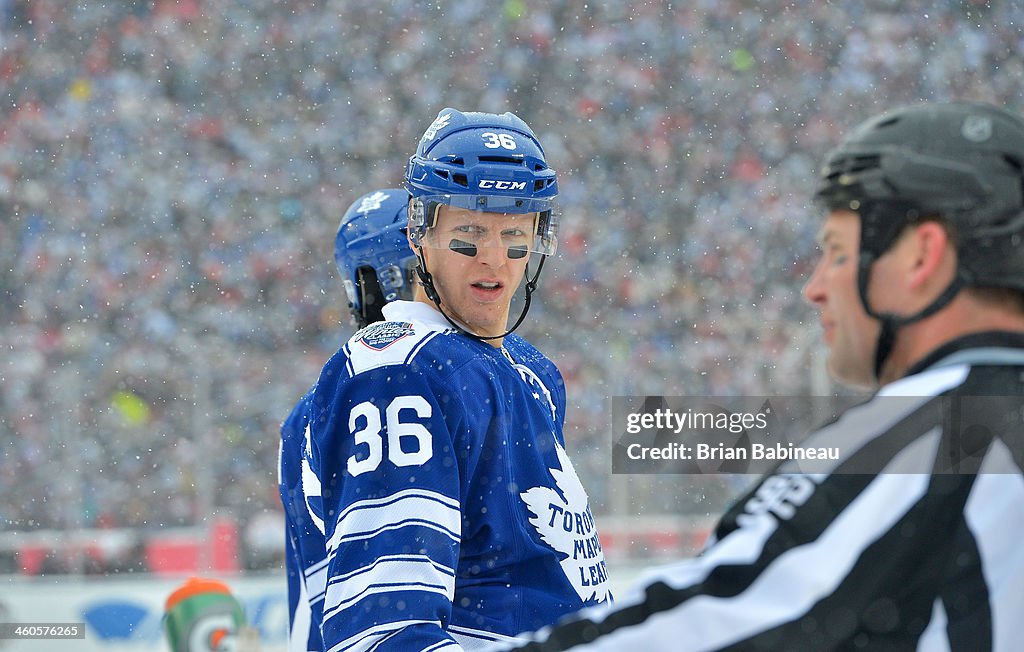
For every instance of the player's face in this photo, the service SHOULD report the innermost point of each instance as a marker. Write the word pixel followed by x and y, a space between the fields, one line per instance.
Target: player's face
pixel 476 290
pixel 850 334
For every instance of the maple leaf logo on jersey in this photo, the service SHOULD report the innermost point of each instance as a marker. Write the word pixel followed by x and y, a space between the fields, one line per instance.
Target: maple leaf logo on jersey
pixel 561 516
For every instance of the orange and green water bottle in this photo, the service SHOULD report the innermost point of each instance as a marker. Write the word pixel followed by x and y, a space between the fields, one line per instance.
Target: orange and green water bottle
pixel 202 615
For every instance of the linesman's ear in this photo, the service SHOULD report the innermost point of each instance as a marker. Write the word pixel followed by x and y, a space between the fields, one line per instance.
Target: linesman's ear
pixel 933 254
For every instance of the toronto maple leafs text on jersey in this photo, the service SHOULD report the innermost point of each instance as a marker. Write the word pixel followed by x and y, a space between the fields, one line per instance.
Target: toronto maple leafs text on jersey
pixel 436 475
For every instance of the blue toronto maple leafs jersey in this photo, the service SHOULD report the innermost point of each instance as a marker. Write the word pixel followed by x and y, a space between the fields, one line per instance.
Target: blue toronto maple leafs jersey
pixel 305 561
pixel 451 514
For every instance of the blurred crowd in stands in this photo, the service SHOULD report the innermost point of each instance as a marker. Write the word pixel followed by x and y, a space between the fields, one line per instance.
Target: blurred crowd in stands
pixel 172 173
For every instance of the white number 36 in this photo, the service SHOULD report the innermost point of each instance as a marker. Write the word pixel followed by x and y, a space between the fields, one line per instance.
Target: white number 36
pixel 494 141
pixel 364 422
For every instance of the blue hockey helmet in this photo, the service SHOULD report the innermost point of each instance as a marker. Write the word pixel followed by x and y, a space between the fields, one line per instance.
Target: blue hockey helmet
pixel 373 254
pixel 484 162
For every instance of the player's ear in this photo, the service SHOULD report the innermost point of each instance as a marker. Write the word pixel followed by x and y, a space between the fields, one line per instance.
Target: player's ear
pixel 932 255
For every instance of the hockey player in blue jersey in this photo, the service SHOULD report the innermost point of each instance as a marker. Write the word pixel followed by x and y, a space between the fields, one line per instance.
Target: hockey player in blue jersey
pixel 437 471
pixel 375 263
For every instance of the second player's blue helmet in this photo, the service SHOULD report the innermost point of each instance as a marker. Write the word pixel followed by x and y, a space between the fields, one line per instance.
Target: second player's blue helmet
pixel 485 162
pixel 373 254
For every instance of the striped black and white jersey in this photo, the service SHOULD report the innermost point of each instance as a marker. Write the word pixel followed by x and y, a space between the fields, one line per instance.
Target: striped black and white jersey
pixel 926 552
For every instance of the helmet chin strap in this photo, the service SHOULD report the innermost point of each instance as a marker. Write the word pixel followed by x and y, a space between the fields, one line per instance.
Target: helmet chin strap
pixel 891 322
pixel 427 280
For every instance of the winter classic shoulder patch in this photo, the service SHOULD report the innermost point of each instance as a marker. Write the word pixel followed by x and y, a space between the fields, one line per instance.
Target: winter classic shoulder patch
pixel 383 334
pixel 384 344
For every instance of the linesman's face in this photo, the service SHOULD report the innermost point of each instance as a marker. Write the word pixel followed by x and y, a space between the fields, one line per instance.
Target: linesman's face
pixel 477 290
pixel 850 334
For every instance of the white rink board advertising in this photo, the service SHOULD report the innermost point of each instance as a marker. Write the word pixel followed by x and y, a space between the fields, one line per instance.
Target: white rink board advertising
pixel 126 615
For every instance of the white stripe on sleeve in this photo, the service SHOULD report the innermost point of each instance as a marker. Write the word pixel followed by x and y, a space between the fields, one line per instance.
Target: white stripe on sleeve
pixel 366 518
pixel 387 574
pixel 368 638
pixel 298 638
pixel 316 580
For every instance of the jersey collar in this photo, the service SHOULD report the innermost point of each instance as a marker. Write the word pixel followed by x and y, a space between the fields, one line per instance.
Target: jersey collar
pixel 990 347
pixel 418 313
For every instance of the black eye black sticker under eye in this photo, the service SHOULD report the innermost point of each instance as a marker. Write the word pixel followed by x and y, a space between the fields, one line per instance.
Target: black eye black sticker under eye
pixel 462 247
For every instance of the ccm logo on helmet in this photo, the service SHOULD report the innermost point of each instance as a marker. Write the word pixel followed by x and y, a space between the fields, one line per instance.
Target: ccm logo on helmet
pixel 502 185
